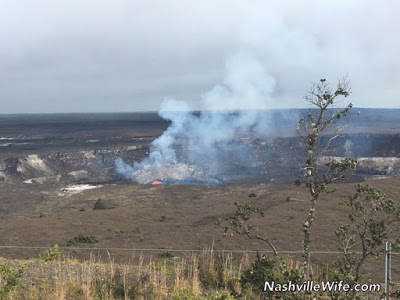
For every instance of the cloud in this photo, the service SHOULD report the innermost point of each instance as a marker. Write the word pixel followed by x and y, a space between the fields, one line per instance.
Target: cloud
pixel 61 56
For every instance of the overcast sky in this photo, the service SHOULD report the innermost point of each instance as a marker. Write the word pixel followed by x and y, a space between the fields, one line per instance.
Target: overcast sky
pixel 129 55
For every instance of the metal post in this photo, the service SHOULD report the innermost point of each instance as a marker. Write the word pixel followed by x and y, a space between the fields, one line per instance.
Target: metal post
pixel 388 269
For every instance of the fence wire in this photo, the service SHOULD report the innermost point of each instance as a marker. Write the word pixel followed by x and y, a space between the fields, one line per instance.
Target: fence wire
pixel 178 250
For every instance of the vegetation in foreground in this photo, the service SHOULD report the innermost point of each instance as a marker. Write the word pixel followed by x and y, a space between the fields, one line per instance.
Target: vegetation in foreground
pixel 194 276
pixel 203 276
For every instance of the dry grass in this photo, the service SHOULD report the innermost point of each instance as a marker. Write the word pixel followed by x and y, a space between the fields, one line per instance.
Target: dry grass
pixel 204 276
pixel 191 276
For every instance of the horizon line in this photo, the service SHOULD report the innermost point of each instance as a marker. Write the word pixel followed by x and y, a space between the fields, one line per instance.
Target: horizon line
pixel 193 111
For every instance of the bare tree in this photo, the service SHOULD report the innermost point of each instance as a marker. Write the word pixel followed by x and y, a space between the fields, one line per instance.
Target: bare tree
pixel 316 177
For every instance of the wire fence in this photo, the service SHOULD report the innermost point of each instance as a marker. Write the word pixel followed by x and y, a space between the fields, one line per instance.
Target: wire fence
pixel 122 258
pixel 178 250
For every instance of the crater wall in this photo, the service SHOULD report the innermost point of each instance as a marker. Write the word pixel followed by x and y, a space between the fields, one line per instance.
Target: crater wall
pixel 274 158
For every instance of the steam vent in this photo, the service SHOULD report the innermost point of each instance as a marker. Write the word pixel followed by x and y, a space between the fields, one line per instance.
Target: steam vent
pixel 134 148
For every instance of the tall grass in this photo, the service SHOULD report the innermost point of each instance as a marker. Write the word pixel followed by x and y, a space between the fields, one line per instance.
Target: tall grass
pixel 205 276
pixel 190 276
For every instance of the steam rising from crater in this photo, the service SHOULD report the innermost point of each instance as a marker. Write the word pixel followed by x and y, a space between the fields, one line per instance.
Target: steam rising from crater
pixel 213 145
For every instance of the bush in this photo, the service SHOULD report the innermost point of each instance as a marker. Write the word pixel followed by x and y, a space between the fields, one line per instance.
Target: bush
pixel 252 195
pixel 221 295
pixel 166 255
pixel 9 278
pixel 52 254
pixel 262 269
pixel 80 239
pixel 184 294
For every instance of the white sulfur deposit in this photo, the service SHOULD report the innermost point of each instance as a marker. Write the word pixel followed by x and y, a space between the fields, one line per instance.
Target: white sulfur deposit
pixel 77 188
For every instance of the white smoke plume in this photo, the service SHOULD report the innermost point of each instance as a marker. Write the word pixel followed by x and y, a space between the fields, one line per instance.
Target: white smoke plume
pixel 203 147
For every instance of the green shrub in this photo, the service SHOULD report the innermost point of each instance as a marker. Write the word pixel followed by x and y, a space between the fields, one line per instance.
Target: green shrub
pixel 252 195
pixel 166 255
pixel 262 269
pixel 221 295
pixel 184 294
pixel 9 278
pixel 53 254
pixel 81 239
pixel 210 279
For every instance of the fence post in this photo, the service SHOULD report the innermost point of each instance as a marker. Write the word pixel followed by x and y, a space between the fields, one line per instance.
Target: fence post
pixel 388 269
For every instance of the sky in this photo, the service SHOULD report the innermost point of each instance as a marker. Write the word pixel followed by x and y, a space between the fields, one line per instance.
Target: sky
pixel 59 56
